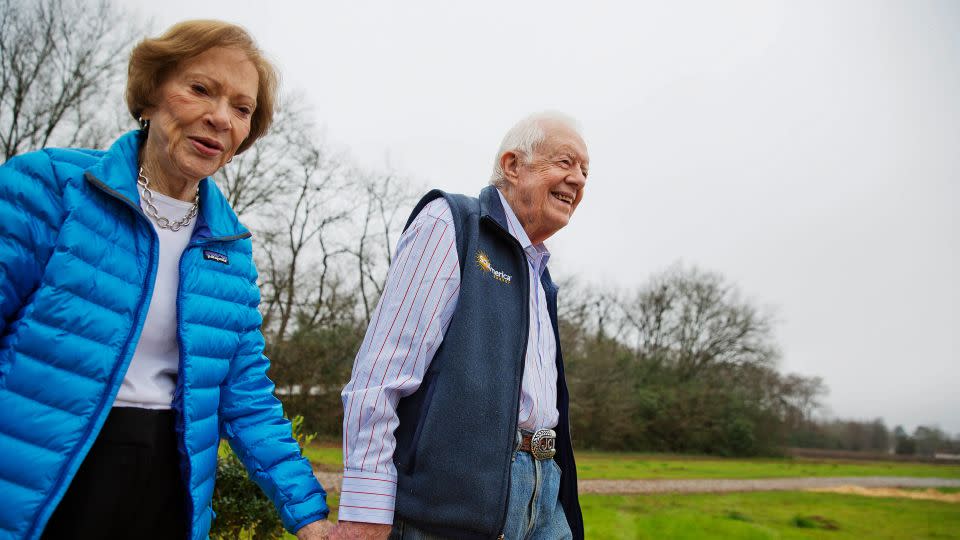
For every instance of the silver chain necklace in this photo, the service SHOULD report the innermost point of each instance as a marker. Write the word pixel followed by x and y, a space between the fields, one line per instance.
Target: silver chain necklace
pixel 151 209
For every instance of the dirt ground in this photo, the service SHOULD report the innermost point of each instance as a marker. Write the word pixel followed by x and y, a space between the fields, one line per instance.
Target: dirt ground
pixel 926 495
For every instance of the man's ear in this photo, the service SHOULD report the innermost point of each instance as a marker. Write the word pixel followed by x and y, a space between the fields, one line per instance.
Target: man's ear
pixel 510 163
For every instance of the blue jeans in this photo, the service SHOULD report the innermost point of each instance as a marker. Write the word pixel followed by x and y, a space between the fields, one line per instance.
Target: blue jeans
pixel 533 511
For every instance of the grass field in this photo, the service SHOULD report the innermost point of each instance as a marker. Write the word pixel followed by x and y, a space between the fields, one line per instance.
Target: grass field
pixel 635 466
pixel 755 515
pixel 326 457
pixel 625 466
pixel 767 515
pixel 761 515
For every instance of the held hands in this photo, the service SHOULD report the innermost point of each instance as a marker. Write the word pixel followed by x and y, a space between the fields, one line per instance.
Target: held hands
pixel 318 530
pixel 355 530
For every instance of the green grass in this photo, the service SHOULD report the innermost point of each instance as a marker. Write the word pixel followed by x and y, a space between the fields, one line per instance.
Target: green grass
pixel 615 466
pixel 759 515
pixel 669 466
pixel 767 515
pixel 325 456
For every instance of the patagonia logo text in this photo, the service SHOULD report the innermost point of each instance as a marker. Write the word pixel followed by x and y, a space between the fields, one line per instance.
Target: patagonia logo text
pixel 483 261
pixel 215 256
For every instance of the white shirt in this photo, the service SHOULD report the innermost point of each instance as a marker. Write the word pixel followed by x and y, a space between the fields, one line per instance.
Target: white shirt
pixel 152 375
pixel 406 329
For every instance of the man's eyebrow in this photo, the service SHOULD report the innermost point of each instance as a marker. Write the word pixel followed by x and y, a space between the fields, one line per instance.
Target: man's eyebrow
pixel 566 149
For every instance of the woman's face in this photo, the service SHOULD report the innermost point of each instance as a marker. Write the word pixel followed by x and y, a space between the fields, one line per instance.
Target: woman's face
pixel 202 113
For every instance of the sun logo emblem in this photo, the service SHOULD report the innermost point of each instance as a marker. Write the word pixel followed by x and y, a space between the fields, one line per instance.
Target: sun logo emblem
pixel 483 261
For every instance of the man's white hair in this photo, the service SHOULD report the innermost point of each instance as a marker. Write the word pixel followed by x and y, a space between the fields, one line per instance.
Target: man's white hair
pixel 525 137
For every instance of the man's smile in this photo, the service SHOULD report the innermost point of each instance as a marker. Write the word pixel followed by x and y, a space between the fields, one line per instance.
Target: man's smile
pixel 563 197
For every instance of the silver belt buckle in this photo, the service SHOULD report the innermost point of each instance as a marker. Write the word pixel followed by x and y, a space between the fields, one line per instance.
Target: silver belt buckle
pixel 543 444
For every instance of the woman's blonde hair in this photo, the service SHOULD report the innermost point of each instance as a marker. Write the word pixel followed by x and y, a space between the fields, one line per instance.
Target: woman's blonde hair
pixel 154 59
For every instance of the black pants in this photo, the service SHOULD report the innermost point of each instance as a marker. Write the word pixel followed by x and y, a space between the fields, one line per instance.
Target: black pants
pixel 129 485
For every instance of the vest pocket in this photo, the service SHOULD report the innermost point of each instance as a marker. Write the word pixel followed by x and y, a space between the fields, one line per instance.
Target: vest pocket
pixel 410 460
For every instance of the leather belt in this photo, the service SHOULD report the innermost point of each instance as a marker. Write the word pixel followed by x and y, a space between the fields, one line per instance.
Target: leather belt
pixel 541 444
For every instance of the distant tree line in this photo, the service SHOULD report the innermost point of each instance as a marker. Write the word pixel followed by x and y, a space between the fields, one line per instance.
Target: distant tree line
pixel 925 441
pixel 873 436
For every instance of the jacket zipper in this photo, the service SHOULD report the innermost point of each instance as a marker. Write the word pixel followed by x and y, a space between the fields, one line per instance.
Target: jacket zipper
pixel 145 298
pixel 181 387
pixel 181 391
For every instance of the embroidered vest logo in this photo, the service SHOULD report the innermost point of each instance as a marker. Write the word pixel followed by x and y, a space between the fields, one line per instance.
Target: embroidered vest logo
pixel 483 261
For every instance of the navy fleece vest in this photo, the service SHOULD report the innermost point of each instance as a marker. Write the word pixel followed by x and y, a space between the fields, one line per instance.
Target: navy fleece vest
pixel 457 432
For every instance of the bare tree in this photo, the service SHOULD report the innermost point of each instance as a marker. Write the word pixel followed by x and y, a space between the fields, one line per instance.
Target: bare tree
pixel 592 309
pixel 385 199
pixel 58 59
pixel 693 320
pixel 324 228
pixel 294 190
pixel 299 240
pixel 265 174
pixel 803 396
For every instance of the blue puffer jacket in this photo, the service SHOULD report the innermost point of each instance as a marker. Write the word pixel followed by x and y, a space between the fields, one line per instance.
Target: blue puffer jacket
pixel 77 265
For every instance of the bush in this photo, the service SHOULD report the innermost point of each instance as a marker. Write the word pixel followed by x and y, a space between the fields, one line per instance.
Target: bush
pixel 242 510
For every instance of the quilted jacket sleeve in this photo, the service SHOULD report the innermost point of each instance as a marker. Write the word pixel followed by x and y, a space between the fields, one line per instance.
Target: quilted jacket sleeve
pixel 31 212
pixel 252 421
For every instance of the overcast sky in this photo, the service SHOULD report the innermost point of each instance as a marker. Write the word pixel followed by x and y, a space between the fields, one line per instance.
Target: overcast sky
pixel 809 151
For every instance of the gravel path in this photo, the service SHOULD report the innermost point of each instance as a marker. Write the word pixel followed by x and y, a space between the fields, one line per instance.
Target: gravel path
pixel 331 482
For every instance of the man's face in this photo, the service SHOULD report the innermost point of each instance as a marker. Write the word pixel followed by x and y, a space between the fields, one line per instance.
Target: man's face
pixel 544 191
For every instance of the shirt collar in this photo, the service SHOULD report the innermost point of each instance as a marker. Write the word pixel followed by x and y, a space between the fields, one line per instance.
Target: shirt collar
pixel 538 254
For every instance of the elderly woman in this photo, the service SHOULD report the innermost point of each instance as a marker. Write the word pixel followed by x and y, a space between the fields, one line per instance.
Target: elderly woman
pixel 130 338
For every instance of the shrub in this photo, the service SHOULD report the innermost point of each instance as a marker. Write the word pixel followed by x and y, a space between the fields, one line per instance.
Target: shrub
pixel 242 510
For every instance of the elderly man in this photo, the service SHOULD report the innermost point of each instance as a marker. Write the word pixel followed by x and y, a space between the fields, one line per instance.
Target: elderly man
pixel 455 418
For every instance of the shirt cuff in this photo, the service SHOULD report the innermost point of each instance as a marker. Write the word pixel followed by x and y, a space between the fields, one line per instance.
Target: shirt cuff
pixel 367 497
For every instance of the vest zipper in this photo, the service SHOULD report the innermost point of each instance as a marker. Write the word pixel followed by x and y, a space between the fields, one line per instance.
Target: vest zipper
pixel 523 355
